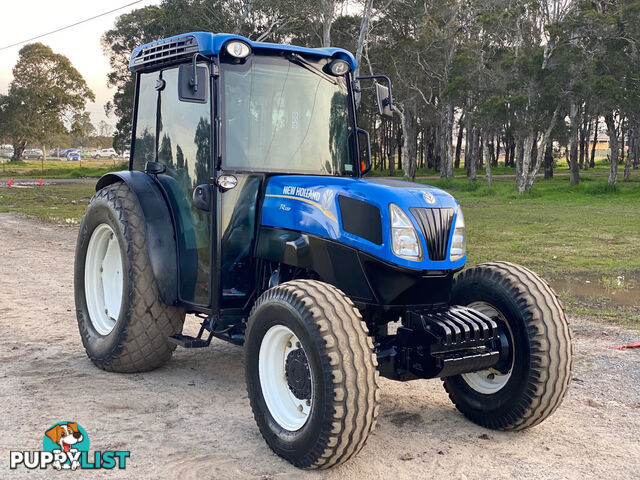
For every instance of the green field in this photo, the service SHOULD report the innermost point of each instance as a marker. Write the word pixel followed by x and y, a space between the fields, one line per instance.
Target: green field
pixel 53 168
pixel 588 235
pixel 560 230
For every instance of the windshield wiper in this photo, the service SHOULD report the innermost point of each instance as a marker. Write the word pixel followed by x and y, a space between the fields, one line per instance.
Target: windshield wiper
pixel 298 60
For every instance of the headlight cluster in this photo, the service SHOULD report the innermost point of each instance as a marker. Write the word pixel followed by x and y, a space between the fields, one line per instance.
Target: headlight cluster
pixel 404 239
pixel 459 242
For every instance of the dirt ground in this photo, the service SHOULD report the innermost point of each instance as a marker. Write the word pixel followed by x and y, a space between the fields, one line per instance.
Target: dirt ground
pixel 191 418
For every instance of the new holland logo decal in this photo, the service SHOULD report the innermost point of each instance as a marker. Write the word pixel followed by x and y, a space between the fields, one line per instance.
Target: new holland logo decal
pixel 429 198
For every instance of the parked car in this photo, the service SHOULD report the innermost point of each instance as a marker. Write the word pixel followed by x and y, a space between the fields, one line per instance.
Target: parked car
pixel 6 151
pixel 126 154
pixel 106 153
pixel 73 155
pixel 32 153
pixel 91 153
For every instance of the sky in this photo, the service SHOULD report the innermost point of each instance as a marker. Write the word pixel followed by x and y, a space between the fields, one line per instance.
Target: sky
pixel 24 19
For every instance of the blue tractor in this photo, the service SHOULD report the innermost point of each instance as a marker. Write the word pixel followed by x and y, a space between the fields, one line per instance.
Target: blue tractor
pixel 246 204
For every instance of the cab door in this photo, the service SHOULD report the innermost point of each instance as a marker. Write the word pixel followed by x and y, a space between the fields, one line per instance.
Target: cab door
pixel 177 132
pixel 238 220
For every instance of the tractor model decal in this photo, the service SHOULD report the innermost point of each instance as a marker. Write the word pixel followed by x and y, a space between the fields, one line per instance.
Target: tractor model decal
pixel 326 212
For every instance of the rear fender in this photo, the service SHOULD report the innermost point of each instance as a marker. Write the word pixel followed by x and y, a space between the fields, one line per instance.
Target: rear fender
pixel 159 229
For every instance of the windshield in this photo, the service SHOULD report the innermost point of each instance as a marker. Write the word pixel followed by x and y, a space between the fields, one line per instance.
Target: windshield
pixel 281 115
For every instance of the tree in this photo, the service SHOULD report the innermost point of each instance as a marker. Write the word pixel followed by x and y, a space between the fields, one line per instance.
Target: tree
pixel 104 129
pixel 514 73
pixel 82 129
pixel 132 29
pixel 45 94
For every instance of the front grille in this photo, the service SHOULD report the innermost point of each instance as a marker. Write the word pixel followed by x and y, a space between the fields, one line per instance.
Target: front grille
pixel 164 51
pixel 435 224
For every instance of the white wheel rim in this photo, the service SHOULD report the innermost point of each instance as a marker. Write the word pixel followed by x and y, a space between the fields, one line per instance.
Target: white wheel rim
pixel 288 411
pixel 489 381
pixel 103 282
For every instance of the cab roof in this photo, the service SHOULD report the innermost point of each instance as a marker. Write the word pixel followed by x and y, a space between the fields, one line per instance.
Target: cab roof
pixel 208 44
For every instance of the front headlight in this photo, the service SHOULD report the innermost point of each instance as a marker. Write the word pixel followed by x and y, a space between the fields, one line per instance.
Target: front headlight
pixel 404 239
pixel 459 242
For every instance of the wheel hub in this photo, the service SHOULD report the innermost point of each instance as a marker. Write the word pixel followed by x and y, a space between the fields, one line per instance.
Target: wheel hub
pixel 494 379
pixel 286 379
pixel 103 279
pixel 298 374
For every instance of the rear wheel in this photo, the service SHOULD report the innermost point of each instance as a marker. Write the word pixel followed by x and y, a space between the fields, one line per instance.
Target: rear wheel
pixel 311 374
pixel 531 379
pixel 122 321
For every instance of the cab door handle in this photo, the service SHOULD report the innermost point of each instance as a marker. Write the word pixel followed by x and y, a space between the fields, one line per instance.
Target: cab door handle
pixel 202 197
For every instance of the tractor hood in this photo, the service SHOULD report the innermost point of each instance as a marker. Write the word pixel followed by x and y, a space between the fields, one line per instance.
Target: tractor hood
pixel 355 212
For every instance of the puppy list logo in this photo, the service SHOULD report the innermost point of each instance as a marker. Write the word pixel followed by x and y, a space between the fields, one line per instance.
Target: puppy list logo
pixel 65 446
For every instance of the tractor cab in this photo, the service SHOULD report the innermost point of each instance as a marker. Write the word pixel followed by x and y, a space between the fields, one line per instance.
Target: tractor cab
pixel 215 117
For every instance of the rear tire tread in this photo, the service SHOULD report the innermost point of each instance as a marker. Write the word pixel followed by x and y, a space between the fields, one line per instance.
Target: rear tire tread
pixel 143 344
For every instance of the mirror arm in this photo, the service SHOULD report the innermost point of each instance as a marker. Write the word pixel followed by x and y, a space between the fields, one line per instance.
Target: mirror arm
pixel 194 76
pixel 388 101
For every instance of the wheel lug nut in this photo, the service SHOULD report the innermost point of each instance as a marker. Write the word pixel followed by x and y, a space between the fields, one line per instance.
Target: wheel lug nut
pixel 308 403
pixel 298 344
pixel 300 407
pixel 288 344
pixel 491 376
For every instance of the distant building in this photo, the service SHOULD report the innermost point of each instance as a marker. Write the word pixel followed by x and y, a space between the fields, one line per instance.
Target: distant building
pixel 602 144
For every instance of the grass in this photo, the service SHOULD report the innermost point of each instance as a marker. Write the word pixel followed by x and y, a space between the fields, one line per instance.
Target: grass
pixel 60 168
pixel 587 232
pixel 557 229
pixel 62 204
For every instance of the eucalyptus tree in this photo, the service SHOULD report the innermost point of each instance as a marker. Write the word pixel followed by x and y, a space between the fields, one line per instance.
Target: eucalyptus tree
pixel 415 41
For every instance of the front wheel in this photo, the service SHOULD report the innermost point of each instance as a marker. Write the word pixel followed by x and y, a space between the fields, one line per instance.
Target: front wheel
pixel 311 374
pixel 531 379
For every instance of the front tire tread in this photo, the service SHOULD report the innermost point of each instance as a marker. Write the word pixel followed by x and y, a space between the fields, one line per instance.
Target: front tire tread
pixel 352 364
pixel 551 352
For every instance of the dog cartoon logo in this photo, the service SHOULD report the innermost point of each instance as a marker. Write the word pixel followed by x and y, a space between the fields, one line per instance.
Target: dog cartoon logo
pixel 68 439
pixel 65 446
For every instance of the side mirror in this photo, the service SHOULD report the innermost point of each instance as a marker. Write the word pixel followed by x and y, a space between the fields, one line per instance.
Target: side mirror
pixel 192 83
pixel 383 94
pixel 364 154
pixel 384 101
